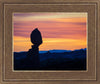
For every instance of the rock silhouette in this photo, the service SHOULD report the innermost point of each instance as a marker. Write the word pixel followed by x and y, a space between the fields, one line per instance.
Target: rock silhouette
pixel 33 60
pixel 36 37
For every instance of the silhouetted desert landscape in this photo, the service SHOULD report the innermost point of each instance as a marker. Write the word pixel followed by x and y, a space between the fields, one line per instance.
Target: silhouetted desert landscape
pixel 52 60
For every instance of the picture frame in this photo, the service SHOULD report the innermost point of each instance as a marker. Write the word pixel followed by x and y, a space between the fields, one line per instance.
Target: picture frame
pixel 8 75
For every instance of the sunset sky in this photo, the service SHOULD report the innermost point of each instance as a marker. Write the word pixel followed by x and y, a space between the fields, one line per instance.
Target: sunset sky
pixel 64 30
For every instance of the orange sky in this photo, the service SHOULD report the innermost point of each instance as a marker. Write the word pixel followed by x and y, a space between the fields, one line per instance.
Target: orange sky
pixel 65 31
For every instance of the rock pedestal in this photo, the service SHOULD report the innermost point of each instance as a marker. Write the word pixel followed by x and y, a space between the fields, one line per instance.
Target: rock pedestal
pixel 33 53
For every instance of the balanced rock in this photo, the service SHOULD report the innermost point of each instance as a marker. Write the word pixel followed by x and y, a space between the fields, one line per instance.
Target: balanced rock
pixel 33 60
pixel 36 37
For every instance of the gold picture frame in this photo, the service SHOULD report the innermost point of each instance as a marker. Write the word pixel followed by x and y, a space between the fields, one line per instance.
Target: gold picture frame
pixel 8 75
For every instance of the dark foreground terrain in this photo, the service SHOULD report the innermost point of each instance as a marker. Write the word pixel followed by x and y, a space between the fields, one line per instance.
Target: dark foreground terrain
pixel 53 60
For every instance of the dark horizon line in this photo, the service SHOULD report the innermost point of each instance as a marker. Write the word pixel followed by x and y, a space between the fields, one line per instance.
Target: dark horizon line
pixel 58 49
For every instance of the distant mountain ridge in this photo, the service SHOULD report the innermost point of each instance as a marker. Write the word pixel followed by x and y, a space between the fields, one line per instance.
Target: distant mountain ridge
pixel 55 51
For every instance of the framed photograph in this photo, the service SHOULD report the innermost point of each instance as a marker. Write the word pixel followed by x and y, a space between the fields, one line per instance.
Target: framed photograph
pixel 53 41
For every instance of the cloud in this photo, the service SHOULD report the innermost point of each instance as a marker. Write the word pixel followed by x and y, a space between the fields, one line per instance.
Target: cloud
pixel 51 29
